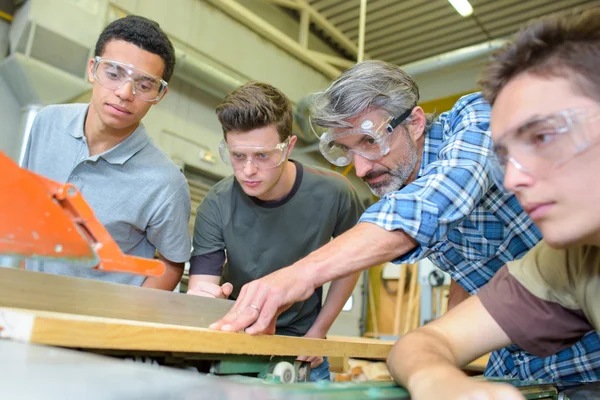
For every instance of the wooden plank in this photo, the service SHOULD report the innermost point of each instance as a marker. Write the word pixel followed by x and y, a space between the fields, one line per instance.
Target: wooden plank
pixel 479 364
pixel 62 294
pixel 400 299
pixel 413 300
pixel 77 331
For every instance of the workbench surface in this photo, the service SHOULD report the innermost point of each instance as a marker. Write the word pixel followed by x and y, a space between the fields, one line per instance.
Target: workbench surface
pixel 30 372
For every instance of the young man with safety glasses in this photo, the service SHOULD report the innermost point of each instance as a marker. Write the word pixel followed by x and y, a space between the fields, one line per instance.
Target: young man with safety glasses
pixel 270 213
pixel 545 91
pixel 140 196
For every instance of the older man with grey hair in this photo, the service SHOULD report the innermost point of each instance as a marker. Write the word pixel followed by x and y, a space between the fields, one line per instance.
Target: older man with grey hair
pixel 438 201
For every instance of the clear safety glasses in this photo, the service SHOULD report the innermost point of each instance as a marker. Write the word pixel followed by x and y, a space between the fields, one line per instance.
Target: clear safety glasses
pixel 114 75
pixel 370 140
pixel 542 144
pixel 261 157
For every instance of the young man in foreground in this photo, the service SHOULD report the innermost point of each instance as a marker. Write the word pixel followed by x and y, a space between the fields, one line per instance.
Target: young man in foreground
pixel 545 91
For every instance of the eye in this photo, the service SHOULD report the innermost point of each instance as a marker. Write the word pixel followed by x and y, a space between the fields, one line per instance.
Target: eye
pixel 146 85
pixel 112 74
pixel 238 156
pixel 540 139
pixel 334 145
pixel 540 133
pixel 261 155
pixel 541 136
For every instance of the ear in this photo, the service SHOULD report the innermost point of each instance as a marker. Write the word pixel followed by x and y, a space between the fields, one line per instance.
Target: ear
pixel 90 70
pixel 417 123
pixel 293 140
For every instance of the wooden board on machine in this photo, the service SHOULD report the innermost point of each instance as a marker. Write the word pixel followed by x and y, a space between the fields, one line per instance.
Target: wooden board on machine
pixel 79 331
pixel 70 312
pixel 62 294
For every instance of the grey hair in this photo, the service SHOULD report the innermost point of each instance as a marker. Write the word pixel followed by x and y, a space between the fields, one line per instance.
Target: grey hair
pixel 369 84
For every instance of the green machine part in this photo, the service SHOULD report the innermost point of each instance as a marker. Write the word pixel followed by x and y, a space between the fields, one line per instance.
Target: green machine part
pixel 388 390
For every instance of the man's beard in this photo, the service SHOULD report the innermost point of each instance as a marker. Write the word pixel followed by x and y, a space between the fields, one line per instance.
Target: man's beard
pixel 396 178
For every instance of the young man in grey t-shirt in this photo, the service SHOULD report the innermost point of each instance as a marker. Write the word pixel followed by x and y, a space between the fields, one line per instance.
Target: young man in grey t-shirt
pixel 272 212
pixel 138 194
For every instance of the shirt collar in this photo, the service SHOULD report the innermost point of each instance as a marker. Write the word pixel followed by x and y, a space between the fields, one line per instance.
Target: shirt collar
pixel 122 152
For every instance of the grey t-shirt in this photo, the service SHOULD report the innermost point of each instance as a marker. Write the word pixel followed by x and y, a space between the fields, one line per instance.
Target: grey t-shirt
pixel 263 237
pixel 135 190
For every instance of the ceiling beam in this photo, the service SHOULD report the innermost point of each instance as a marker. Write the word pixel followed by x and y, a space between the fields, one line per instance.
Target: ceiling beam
pixel 263 28
pixel 293 4
pixel 333 60
pixel 337 35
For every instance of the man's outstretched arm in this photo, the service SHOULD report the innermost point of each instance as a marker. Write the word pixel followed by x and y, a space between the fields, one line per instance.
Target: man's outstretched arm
pixel 262 300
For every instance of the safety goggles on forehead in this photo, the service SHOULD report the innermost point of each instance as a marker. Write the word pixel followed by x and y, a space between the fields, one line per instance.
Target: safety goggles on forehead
pixel 261 157
pixel 115 74
pixel 542 144
pixel 370 140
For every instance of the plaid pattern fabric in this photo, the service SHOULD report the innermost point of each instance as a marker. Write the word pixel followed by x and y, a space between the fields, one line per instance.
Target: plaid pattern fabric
pixel 470 228
pixel 569 367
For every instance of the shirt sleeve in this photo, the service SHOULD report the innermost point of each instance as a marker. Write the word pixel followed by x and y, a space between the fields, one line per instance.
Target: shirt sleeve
pixel 26 163
pixel 168 230
pixel 208 264
pixel 448 189
pixel 208 227
pixel 538 326
pixel 350 210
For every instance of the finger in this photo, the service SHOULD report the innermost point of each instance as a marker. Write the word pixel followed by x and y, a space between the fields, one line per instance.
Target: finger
pixel 266 318
pixel 233 312
pixel 249 313
pixel 271 328
pixel 316 362
pixel 251 293
pixel 509 393
pixel 227 289
pixel 214 290
pixel 303 358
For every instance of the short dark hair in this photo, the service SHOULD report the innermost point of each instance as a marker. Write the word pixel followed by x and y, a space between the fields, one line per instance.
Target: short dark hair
pixel 256 105
pixel 145 34
pixel 566 46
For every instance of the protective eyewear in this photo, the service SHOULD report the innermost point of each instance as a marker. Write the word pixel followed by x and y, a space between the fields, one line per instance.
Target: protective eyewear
pixel 115 74
pixel 543 144
pixel 261 157
pixel 370 140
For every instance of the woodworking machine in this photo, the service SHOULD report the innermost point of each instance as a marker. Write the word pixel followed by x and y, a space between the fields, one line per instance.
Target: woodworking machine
pixel 42 321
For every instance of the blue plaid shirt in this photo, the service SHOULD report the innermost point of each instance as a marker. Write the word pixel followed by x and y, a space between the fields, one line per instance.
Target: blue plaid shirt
pixel 470 229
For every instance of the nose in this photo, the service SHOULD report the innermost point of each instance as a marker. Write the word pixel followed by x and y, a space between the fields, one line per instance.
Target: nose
pixel 249 167
pixel 125 92
pixel 516 177
pixel 361 165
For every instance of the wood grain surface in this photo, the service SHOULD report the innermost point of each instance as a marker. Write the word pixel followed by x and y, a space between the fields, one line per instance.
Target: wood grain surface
pixel 78 331
pixel 62 294
pixel 81 313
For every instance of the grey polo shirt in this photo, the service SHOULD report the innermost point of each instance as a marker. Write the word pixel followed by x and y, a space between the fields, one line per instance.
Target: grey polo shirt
pixel 135 190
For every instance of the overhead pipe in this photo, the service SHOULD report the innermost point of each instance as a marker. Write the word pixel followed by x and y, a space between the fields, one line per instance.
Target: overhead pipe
pixel 362 27
pixel 203 75
pixel 452 57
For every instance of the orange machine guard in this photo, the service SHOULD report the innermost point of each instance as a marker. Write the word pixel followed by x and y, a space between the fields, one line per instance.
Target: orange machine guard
pixel 45 219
